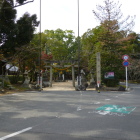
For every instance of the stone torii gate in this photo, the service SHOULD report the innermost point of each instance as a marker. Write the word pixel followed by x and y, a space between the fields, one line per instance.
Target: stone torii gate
pixel 65 66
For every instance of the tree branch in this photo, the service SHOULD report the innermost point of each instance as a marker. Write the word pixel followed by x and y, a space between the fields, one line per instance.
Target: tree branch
pixel 23 3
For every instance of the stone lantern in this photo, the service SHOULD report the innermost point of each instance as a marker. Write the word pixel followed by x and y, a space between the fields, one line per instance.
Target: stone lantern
pixel 27 80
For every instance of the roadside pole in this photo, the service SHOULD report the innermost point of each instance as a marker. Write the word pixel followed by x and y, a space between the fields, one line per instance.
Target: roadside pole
pixel 41 82
pixel 98 70
pixel 125 64
pixel 126 78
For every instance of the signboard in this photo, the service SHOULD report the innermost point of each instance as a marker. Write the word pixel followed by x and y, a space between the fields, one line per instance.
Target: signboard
pixel 109 75
pixel 125 63
pixel 125 57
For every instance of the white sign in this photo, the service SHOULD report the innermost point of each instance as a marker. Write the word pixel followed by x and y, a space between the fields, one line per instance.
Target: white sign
pixel 125 57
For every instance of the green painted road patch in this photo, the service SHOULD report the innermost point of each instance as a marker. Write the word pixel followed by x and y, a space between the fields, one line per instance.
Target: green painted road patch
pixel 116 109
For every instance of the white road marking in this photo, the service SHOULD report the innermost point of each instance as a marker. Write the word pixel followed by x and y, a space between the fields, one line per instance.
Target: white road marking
pixel 132 110
pixel 103 112
pixel 17 94
pixel 107 99
pixel 96 103
pixel 79 108
pixel 16 133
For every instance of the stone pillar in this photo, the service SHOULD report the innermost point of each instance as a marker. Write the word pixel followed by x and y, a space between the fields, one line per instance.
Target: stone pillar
pixel 73 76
pixel 27 79
pixel 92 81
pixel 50 76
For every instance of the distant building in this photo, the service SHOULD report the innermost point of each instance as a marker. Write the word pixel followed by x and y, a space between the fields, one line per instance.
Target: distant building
pixel 12 70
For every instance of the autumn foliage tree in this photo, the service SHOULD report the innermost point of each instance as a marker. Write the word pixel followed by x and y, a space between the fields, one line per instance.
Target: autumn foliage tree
pixel 109 38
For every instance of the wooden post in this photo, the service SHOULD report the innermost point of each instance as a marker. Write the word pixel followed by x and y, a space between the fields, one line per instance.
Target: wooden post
pixel 73 76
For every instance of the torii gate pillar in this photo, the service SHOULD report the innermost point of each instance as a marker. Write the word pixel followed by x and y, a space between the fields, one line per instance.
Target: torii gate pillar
pixel 73 74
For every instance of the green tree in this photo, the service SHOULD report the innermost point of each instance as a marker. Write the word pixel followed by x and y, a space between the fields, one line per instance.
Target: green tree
pixel 7 23
pixel 15 34
pixel 109 38
pixel 59 43
pixel 25 28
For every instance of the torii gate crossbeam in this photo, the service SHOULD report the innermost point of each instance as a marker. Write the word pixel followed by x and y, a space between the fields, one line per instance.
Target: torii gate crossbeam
pixel 73 73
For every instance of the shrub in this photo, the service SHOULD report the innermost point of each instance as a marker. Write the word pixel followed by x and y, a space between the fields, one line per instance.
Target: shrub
pixel 6 83
pixel 15 78
pixel 111 82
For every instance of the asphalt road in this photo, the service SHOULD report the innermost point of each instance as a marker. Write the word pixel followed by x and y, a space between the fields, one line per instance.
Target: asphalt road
pixel 71 115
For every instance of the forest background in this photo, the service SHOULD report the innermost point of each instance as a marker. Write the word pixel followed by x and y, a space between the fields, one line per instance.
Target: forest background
pixel 20 46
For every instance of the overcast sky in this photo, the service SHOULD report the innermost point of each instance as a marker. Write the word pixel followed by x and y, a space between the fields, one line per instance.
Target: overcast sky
pixel 63 14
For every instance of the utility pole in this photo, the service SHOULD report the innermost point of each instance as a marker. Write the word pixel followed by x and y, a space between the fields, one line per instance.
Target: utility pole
pixel 40 76
pixel 78 47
